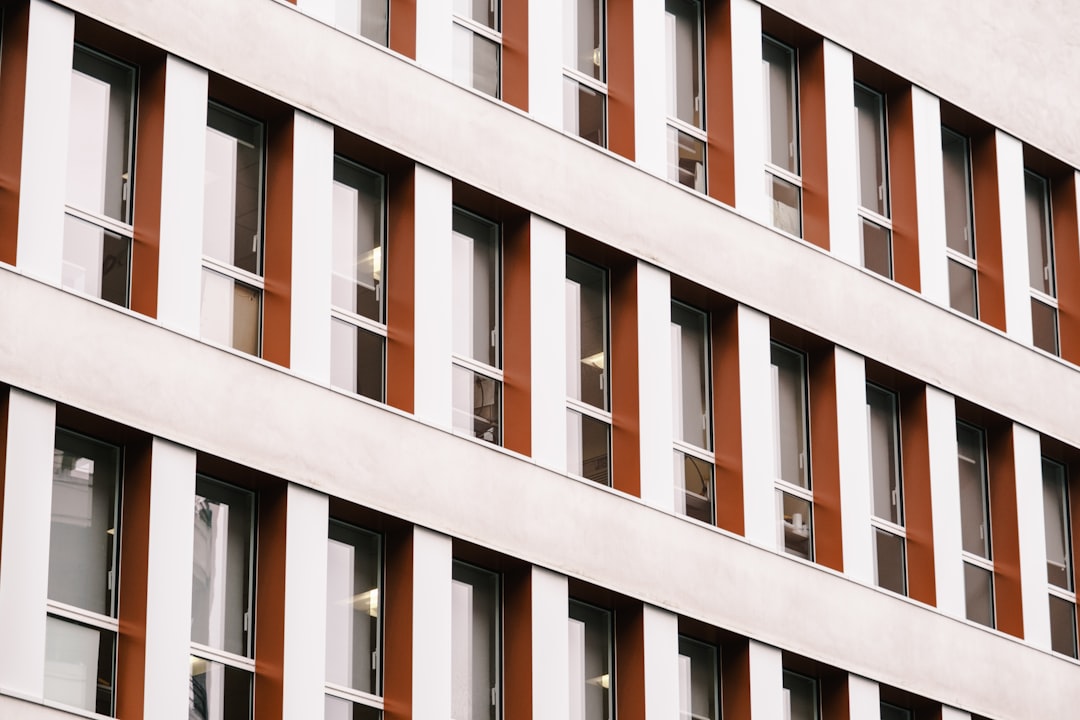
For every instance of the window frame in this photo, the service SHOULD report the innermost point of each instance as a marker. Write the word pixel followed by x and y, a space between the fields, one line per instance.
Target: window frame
pixel 491 34
pixel 1040 296
pixel 970 559
pixel 582 80
pixel 676 127
pixel 333 21
pixel 967 261
pixel 865 214
pixel 715 690
pixel 498 691
pixel 774 172
pixel 783 487
pixel 878 523
pixel 1067 594
pixel 815 685
pixel 686 448
pixel 609 621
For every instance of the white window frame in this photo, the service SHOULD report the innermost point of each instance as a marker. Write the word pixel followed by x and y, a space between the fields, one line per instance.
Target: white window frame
pixel 1066 594
pixel 583 408
pixel 681 126
pixel 492 34
pixel 884 190
pixel 968 261
pixel 772 170
pixel 1050 271
pixel 783 486
pixel 597 86
pixel 707 455
pixel 879 523
pixel 969 558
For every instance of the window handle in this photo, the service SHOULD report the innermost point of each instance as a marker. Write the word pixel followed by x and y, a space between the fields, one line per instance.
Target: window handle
pixel 881 193
pixel 493 334
pixel 378 292
pixel 110 579
pixel 802 460
pixel 791 150
pixel 254 242
pixel 704 421
pixel 982 532
pixel 247 621
pixel 494 697
pixel 895 499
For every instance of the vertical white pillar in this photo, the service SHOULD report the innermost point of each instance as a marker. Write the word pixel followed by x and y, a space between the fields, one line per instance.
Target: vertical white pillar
pixel 550 645
pixel 661 635
pixel 546 50
pixel 183 165
pixel 930 196
pixel 1031 530
pixel 24 564
pixel 168 581
pixel 435 37
pixel 949 713
pixel 547 304
pixel 432 563
pixel 650 86
pixel 433 312
pixel 854 466
pixel 42 183
pixel 1014 257
pixel 840 153
pixel 304 670
pixel 654 385
pixel 748 104
pixel 313 208
pixel 864 699
pixel 755 392
pixel 945 501
pixel 766 681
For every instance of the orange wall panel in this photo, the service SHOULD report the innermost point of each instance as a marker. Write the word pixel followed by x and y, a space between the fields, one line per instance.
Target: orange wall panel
pixel 905 215
pixel 918 508
pixel 270 604
pixel 620 66
pixel 135 561
pixel 515 53
pixel 825 460
pixel 719 113
pixel 149 137
pixel 401 290
pixel 517 337
pixel 813 149
pixel 277 297
pixel 1004 531
pixel 727 422
pixel 13 50
pixel 625 399
pixel 987 207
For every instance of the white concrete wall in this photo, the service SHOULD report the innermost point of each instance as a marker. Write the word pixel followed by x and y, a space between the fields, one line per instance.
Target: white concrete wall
pixel 844 238
pixel 766 682
pixel 547 303
pixel 1031 528
pixel 930 196
pixel 755 393
pixel 545 63
pixel 432 564
pixel 655 424
pixel 945 501
pixel 749 112
pixel 550 645
pixel 661 651
pixel 854 465
pixel 650 87
pixel 1014 253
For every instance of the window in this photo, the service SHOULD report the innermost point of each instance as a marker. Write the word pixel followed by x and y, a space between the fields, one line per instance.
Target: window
pixel 475 638
pixel 685 102
pixel 1059 568
pixel 232 279
pixel 477 328
pixel 222 621
pixel 870 155
pixel 358 295
pixel 1040 237
pixel 353 623
pixel 886 484
pixel 975 523
pixel 591 663
pixel 800 697
pixel 699 697
pixel 585 70
pixel 782 171
pixel 588 444
pixel 81 625
pixel 891 712
pixel 368 18
pixel 101 144
pixel 478 44
pixel 959 223
pixel 690 368
pixel 791 452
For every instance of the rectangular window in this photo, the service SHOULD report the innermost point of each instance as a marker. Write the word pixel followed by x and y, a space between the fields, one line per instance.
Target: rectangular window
pixel 232 287
pixel 959 223
pixel 699 692
pixel 478 45
pixel 692 413
pixel 367 18
pixel 800 697
pixel 101 151
pixel 891 712
pixel 783 179
pixel 587 372
pixel 81 625
pixel 886 484
pixel 1059 567
pixel 591 663
pixel 791 452
pixel 585 69
pixel 358 294
pixel 686 94
pixel 475 638
pixel 975 523
pixel 1040 243
pixel 873 173
pixel 222 585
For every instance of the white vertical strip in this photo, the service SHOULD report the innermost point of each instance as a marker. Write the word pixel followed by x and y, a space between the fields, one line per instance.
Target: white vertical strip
pixel 547 298
pixel 182 168
pixel 854 466
pixel 550 645
pixel 654 386
pixel 748 102
pixel 650 86
pixel 930 196
pixel 949 713
pixel 304 670
pixel 766 681
pixel 864 699
pixel 840 151
pixel 755 389
pixel 661 651
pixel 945 501
pixel 168 581
pixel 433 312
pixel 313 206
pixel 546 62
pixel 1031 530
pixel 44 146
pixel 24 566
pixel 432 563
pixel 1014 253
pixel 434 36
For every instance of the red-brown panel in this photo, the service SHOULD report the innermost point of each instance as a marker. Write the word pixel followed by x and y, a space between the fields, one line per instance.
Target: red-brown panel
pixel 918 508
pixel 1073 472
pixel 630 662
pixel 727 423
pixel 13 49
pixel 5 392
pixel 825 460
pixel 398 629
pixel 620 66
pixel 1067 250
pixel 517 645
pixel 277 298
pixel 515 53
pixel 905 215
pixel 1004 532
pixel 735 679
pixel 625 399
pixel 835 700
pixel 517 337
pixel 815 158
pixel 148 169
pixel 403 27
pixel 987 202
pixel 401 290
pixel 719 112
pixel 270 604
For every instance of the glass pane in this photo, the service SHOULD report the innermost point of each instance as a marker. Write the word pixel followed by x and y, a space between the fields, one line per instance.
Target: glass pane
pixel 352 608
pixel 684 61
pixel 800 697
pixel 1056 521
pixel 1040 239
pixel 96 261
pixel 974 517
pixel 590 662
pixel 693 487
pixel 1062 626
pixel 356 360
pixel 588 447
pixel 100 135
pixel 218 692
pixel 232 210
pixel 476 289
pixel 790 452
pixel 339 709
pixel 890 564
pixel 956 162
pixel 891 712
pixel 690 375
pixel 586 333
pixel 230 312
pixel 870 150
pixel 686 159
pixel 358 241
pixel 221 571
pixel 883 430
pixel 796 522
pixel 485 12
pixel 785 204
pixel 1044 331
pixel 962 289
pixel 781 105
pixel 476 61
pixel 584 112
pixel 477 405
pixel 583 37
pixel 79 665
pixel 697 681
pixel 979 591
pixel 474 639
pixel 876 248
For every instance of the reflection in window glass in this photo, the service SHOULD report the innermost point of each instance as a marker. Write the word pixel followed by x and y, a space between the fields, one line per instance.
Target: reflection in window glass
pixel 956 162
pixel 790 454
pixel 353 608
pixel 781 106
pixel 1044 330
pixel 1062 626
pixel 785 200
pixel 590 662
pixel 79 665
pixel 357 359
pixel 698 691
pixel 587 333
pixel 876 247
pixel 891 712
pixel 475 642
pixel 694 487
pixel 476 61
pixel 882 417
pixel 96 261
pixel 1039 235
pixel 974 508
pixel 218 691
pixel 358 232
pixel 588 447
pixel 979 594
pixel 962 289
pixel 800 697
pixel 232 213
pixel 690 375
pixel 477 405
pixel 797 525
pixel 230 312
pixel 476 289
pixel 870 150
pixel 485 12
pixel 686 159
pixel 584 112
pixel 684 61
pixel 368 18
pixel 340 709
pixel 889 561
pixel 583 37
pixel 1056 521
